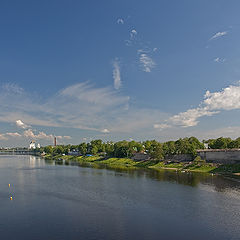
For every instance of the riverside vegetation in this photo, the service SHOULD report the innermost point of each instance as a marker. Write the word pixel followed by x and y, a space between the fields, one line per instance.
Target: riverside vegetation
pixel 118 154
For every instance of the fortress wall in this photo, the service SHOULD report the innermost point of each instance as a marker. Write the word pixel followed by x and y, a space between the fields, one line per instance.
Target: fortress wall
pixel 223 156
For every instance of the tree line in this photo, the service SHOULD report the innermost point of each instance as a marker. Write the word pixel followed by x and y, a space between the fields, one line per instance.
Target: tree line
pixel 155 149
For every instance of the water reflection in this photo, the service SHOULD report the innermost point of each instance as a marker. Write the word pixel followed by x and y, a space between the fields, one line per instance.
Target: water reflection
pixel 220 183
pixel 71 202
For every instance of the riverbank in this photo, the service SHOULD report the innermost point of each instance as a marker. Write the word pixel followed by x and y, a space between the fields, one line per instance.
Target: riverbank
pixel 227 169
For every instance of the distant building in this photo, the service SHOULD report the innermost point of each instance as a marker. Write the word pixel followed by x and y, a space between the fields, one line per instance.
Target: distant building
pixel 74 153
pixel 38 145
pixel 32 145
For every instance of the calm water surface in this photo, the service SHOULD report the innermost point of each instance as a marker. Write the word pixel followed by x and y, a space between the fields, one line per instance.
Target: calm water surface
pixel 71 202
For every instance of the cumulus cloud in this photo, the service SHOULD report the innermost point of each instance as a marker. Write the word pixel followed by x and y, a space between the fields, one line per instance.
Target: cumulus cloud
pixel 190 117
pixel 146 62
pixel 218 34
pixel 4 136
pixel 41 135
pixel 226 99
pixel 116 75
pixel 21 124
pixel 120 21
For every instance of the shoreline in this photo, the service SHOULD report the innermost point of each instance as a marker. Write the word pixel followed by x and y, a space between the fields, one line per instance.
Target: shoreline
pixel 229 170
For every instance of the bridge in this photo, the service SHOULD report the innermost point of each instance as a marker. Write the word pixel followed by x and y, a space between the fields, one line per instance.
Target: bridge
pixel 16 152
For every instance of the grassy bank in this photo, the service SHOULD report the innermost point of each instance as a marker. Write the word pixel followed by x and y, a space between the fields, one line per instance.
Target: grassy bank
pixel 230 169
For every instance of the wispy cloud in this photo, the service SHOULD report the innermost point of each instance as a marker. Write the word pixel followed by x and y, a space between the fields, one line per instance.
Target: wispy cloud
pixel 82 106
pixel 77 106
pixel 219 60
pixel 133 33
pixel 218 35
pixel 14 134
pixel 120 21
pixel 161 126
pixel 3 137
pixel 146 62
pixel 116 75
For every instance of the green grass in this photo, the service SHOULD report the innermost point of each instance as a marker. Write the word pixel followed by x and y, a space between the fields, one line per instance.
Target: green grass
pixel 127 163
pixel 205 167
pixel 119 162
pixel 168 166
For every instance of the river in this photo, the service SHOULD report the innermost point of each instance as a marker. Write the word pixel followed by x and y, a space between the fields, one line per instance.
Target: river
pixel 73 202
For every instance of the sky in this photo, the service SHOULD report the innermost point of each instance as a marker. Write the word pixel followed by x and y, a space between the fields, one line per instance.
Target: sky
pixel 114 70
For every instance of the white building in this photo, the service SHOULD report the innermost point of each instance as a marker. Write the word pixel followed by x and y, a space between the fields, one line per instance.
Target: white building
pixel 32 145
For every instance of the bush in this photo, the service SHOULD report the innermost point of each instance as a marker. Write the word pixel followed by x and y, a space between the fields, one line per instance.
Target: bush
pixel 199 160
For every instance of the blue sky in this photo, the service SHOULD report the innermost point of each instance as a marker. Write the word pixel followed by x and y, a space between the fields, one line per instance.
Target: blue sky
pixel 82 70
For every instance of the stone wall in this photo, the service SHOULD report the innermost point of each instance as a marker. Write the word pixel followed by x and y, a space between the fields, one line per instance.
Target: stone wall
pixel 225 156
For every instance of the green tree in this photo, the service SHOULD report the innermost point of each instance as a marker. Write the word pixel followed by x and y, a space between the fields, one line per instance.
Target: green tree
pixel 48 149
pixel 82 148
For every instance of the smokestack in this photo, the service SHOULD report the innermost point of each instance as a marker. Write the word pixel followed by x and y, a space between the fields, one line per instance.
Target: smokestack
pixel 55 142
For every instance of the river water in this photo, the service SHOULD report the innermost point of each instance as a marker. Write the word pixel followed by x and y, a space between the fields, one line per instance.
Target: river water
pixel 71 202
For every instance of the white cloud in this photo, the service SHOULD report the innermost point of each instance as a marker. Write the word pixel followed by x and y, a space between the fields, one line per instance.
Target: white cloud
pixel 219 60
pixel 41 135
pixel 133 34
pixel 67 137
pixel 21 124
pixel 103 109
pixel 116 75
pixel 155 49
pixel 77 106
pixel 105 130
pixel 14 88
pixel 190 117
pixel 120 21
pixel 218 34
pixel 81 106
pixel 15 134
pixel 146 62
pixel 227 99
pixel 128 43
pixel 161 126
pixel 3 137
pixel 63 137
